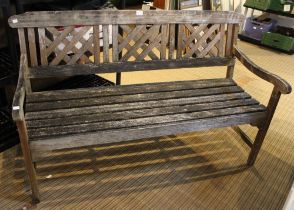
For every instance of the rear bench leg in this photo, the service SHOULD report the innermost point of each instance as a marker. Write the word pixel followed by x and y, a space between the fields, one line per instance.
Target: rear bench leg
pixel 273 102
pixel 230 71
pixel 23 136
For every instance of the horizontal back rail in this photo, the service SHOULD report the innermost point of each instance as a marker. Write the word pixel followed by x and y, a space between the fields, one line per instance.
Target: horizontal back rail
pixel 85 69
pixel 69 18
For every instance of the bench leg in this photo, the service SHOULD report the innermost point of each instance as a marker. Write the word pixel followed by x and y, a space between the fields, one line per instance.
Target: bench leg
pixel 264 128
pixel 23 136
pixel 230 71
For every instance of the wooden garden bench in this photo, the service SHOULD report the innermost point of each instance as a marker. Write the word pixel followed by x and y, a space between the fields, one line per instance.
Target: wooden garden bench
pixel 56 44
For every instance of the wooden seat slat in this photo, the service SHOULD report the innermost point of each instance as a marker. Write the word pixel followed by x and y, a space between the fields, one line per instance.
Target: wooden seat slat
pixel 126 89
pixel 61 113
pixel 131 114
pixel 134 133
pixel 130 98
pixel 137 122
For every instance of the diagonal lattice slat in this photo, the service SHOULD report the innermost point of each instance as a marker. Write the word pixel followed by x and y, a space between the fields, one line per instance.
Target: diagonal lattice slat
pixel 140 41
pixel 127 30
pixel 70 46
pixel 202 29
pixel 201 40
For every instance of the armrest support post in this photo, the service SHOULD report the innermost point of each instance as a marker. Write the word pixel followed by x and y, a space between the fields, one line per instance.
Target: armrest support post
pixel 230 70
pixel 19 96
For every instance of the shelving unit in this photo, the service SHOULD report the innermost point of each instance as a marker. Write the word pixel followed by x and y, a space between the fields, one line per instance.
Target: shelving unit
pixel 243 37
pixel 273 12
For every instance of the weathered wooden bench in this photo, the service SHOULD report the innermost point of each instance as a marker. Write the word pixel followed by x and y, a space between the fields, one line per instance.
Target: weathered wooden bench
pixel 54 45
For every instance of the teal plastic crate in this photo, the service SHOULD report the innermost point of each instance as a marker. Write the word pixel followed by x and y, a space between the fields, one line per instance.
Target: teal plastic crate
pixel 278 41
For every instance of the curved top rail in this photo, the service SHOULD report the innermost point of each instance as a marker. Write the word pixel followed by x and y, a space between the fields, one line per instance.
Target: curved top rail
pixel 94 17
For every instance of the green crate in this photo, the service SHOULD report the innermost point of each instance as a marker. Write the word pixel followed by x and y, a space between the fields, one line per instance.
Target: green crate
pixel 249 3
pixel 265 4
pixel 278 41
pixel 287 2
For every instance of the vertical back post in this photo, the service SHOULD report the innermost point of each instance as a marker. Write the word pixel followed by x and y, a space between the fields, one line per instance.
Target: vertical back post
pixel 180 41
pixel 23 50
pixel 164 40
pixel 232 34
pixel 105 29
pixel 42 43
pixel 115 50
pixel 32 47
pixel 96 44
pixel 172 30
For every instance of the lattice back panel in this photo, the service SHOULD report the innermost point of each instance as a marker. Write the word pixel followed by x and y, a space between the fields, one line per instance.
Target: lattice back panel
pixel 126 42
pixel 142 42
pixel 201 40
pixel 67 45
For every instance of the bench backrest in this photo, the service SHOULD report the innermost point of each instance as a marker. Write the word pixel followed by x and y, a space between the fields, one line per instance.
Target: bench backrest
pixel 162 39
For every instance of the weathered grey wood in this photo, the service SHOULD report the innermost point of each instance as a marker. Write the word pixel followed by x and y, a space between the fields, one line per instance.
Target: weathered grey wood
pixel 221 52
pixel 283 86
pixel 115 50
pixel 59 57
pixel 141 42
pixel 236 32
pixel 96 44
pixel 126 89
pixel 137 37
pixel 180 43
pixel 229 40
pixel 154 43
pixel 209 47
pixel 230 71
pixel 195 36
pixel 22 41
pixel 136 105
pixel 105 31
pixel 23 51
pixel 24 142
pixel 86 45
pixel 54 32
pixel 232 35
pixel 131 35
pixel 71 70
pixel 59 37
pixel 42 44
pixel 20 93
pixel 164 41
pixel 272 105
pixel 112 136
pixel 172 28
pixel 24 60
pixel 32 47
pixel 138 113
pixel 202 39
pixel 130 98
pixel 138 122
pixel 41 19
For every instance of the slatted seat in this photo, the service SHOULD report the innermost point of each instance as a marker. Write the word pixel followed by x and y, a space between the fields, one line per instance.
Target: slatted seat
pixel 97 42
pixel 121 108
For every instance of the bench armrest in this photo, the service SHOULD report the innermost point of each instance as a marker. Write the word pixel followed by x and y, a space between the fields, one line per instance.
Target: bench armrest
pixel 279 83
pixel 19 95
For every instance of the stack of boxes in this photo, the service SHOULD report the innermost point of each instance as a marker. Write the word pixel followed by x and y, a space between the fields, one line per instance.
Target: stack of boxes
pixel 265 30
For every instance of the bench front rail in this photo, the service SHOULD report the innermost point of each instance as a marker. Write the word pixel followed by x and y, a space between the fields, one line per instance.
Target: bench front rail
pixel 92 42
